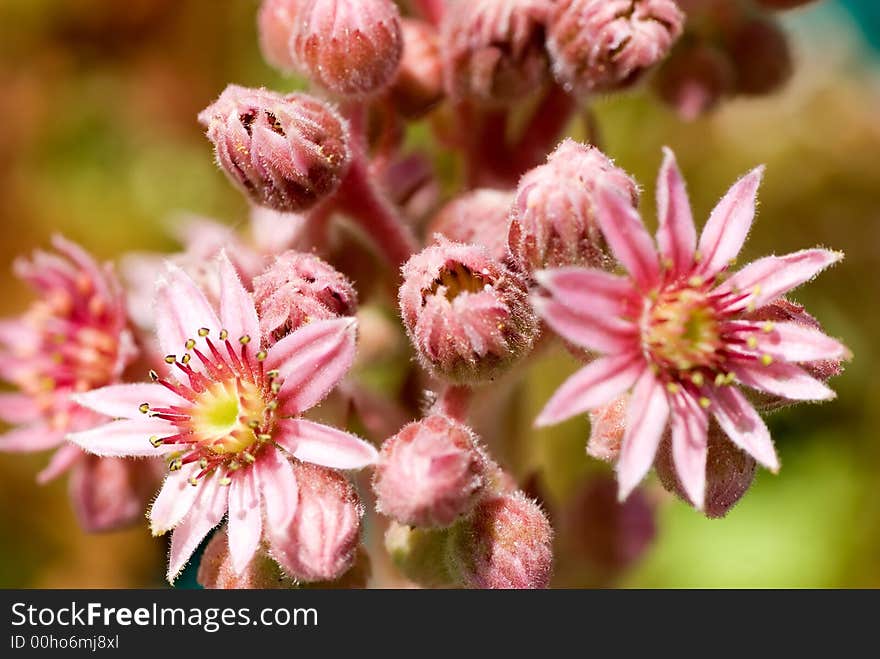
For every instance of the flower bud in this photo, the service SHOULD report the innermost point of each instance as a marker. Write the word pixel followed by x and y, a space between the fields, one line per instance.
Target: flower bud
pixel 609 534
pixel 276 22
pixel 321 542
pixel 467 315
pixel 283 152
pixel 430 473
pixel 729 472
pixel 299 288
pixel 349 47
pixel 694 80
pixel 607 426
pixel 604 45
pixel 419 83
pixel 217 573
pixel 782 311
pixel 479 217
pixel 761 56
pixel 553 217
pixel 494 49
pixel 420 554
pixel 505 543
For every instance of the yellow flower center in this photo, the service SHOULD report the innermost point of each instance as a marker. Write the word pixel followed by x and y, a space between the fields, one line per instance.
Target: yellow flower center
pixel 681 330
pixel 226 415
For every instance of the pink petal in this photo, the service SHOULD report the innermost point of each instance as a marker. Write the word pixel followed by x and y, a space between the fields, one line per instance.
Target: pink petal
pixel 646 419
pixel 605 334
pixel 323 445
pixel 311 361
pixel 181 311
pixel 245 519
pixel 627 237
pixel 207 511
pixel 279 489
pixel 583 289
pixel 121 401
pixel 781 379
pixel 676 234
pixel 690 425
pixel 592 386
pixel 28 439
pixel 237 312
pixel 739 420
pixel 18 408
pixel 129 437
pixel 791 342
pixel 767 279
pixel 174 501
pixel 62 460
pixel 729 224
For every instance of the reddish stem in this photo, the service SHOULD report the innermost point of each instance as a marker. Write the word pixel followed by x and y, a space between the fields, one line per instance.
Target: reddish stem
pixel 544 129
pixel 455 402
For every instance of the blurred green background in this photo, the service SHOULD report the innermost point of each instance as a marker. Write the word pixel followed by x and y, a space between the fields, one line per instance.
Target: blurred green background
pixel 99 141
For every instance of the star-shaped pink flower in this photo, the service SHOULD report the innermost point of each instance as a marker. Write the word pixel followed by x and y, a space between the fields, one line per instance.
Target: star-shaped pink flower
pixel 227 417
pixel 680 334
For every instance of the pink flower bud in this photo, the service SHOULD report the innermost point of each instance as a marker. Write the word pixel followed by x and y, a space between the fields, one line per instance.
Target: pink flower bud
pixel 284 152
pixel 321 542
pixel 494 49
pixel 110 493
pixel 349 47
pixel 694 79
pixel 216 571
pixel 419 83
pixel 607 426
pixel 505 543
pixel 782 311
pixel 430 473
pixel 604 45
pixel 299 288
pixel 729 472
pixel 608 534
pixel 761 56
pixel 479 217
pixel 276 22
pixel 467 315
pixel 553 217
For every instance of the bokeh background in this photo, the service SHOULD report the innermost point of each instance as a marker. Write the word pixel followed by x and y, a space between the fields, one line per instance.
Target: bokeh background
pixel 99 142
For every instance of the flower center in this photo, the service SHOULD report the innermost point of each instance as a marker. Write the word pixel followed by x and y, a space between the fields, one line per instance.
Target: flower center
pixel 681 330
pixel 455 279
pixel 224 416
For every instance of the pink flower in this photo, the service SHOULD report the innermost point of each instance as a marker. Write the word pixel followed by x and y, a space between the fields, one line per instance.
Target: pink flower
pixel 227 416
pixel 680 334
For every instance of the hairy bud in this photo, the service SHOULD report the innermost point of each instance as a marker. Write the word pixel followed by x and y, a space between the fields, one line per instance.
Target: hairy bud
pixel 276 22
pixel 430 473
pixel 604 45
pixel 552 220
pixel 607 427
pixel 299 288
pixel 761 56
pixel 350 47
pixel 283 152
pixel 467 315
pixel 495 49
pixel 505 543
pixel 216 571
pixel 479 217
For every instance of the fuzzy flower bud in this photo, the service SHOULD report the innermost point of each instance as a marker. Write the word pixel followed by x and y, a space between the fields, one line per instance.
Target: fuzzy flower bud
pixel 505 543
pixel 761 56
pixel 216 571
pixel 349 47
pixel 479 217
pixel 321 542
pixel 694 79
pixel 111 493
pixel 284 152
pixel 729 472
pixel 604 45
pixel 607 426
pixel 467 315
pixel 553 217
pixel 495 49
pixel 276 22
pixel 419 83
pixel 430 473
pixel 299 288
